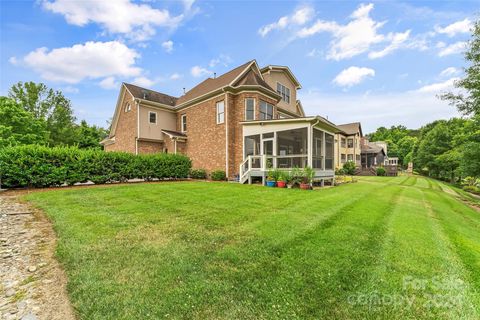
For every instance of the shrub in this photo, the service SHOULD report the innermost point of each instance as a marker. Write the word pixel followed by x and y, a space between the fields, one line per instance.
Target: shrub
pixel 381 171
pixel 296 176
pixel 218 175
pixel 40 166
pixel 472 189
pixel 340 172
pixel 349 167
pixel 198 174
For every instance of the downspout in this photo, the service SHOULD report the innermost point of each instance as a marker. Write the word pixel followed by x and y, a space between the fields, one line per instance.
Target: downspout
pixel 138 126
pixel 226 133
pixel 175 145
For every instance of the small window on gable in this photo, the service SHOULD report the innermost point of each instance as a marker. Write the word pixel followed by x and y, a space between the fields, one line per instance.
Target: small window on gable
pixel 284 92
pixel 249 109
pixel 152 117
pixel 128 107
pixel 220 112
pixel 184 122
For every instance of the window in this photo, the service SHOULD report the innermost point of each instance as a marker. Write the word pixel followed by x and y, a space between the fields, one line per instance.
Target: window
pixel 350 157
pixel 184 122
pixel 343 158
pixel 220 112
pixel 266 111
pixel 350 143
pixel 343 142
pixel 357 157
pixel 152 117
pixel 249 109
pixel 284 92
pixel 128 107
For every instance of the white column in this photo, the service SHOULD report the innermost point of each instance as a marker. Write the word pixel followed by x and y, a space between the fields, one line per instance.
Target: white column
pixel 310 146
pixel 274 149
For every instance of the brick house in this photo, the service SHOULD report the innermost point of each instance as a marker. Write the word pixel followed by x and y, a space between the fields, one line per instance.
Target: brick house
pixel 348 144
pixel 240 122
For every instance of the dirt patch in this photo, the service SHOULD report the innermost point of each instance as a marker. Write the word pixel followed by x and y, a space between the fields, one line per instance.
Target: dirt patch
pixel 32 283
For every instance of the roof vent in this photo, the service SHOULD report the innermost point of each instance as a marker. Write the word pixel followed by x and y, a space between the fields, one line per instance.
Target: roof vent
pixel 214 75
pixel 145 94
pixel 183 90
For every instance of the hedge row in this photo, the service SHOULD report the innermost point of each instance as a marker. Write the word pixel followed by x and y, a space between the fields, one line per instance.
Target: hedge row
pixel 39 166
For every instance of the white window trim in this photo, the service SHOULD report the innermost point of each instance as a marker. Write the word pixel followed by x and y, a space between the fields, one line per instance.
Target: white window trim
pixel 289 92
pixel 156 118
pixel 218 113
pixel 254 109
pixel 259 108
pixel 183 119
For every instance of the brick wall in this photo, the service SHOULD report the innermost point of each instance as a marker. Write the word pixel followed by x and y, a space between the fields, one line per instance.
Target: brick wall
pixel 126 132
pixel 149 147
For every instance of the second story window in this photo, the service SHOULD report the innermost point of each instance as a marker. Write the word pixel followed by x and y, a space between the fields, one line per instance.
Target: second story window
pixel 152 117
pixel 350 143
pixel 220 112
pixel 266 111
pixel 343 142
pixel 284 92
pixel 249 109
pixel 183 121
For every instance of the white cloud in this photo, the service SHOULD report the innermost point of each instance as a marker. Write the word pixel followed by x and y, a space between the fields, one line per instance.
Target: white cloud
pixel 222 59
pixel 143 82
pixel 91 60
pixel 352 76
pixel 136 21
pixel 450 71
pixel 168 46
pixel 70 89
pixel 298 17
pixel 351 39
pixel 438 87
pixel 198 72
pixel 454 48
pixel 109 83
pixel 373 110
pixel 313 53
pixel 463 26
pixel 397 40
pixel 175 76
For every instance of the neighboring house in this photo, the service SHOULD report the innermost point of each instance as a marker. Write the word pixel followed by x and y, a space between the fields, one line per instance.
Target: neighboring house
pixel 242 122
pixel 348 144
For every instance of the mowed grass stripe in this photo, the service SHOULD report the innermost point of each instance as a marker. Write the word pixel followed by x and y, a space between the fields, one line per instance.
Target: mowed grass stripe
pixel 460 224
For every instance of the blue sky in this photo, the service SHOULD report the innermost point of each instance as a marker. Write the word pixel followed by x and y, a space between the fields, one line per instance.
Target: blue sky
pixel 381 63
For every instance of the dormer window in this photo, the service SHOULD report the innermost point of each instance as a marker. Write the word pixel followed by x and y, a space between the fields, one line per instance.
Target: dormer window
pixel 284 92
pixel 128 107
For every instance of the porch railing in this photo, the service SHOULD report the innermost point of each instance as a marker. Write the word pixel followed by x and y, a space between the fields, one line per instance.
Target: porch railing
pixel 265 162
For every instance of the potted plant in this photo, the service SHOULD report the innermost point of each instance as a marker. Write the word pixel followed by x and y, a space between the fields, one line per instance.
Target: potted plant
pixel 308 175
pixel 282 180
pixel 271 178
pixel 295 177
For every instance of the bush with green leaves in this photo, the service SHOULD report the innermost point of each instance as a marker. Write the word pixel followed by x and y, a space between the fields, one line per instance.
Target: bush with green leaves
pixel 349 168
pixel 41 166
pixel 218 175
pixel 381 171
pixel 198 174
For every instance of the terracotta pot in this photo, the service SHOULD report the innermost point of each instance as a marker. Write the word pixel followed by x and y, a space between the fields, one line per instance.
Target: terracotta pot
pixel 281 184
pixel 304 186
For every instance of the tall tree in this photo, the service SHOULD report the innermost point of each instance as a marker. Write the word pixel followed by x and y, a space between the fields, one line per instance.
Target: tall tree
pixel 48 105
pixel 18 126
pixel 89 136
pixel 467 100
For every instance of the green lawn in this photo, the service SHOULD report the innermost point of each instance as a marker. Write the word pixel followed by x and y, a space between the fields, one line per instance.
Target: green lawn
pixel 381 248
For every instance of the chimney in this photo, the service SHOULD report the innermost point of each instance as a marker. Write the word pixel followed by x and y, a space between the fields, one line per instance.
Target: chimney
pixel 214 75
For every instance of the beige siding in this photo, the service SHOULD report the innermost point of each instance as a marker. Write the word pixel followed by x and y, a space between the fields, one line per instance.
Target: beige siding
pixel 165 120
pixel 272 77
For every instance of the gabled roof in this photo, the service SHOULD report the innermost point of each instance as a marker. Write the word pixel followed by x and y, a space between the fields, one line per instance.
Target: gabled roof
pixel 251 78
pixel 212 84
pixel 351 128
pixel 174 134
pixel 284 69
pixel 372 148
pixel 150 95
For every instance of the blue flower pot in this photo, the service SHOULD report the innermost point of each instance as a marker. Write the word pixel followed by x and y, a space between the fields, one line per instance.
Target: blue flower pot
pixel 271 184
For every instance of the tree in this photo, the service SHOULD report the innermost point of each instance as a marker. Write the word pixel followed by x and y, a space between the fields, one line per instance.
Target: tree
pixel 89 136
pixel 18 126
pixel 467 100
pixel 47 105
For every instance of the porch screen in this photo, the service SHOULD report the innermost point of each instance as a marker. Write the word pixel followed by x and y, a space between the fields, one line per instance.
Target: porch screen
pixel 252 145
pixel 328 151
pixel 317 149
